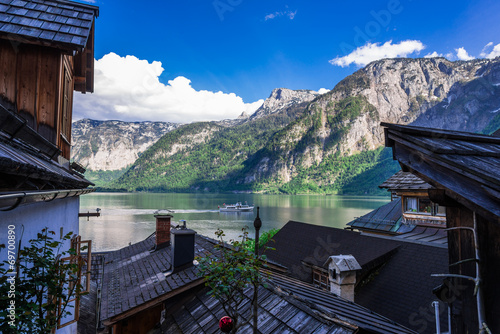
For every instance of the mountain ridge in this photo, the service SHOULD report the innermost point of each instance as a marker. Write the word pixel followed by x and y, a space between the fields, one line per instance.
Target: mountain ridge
pixel 302 141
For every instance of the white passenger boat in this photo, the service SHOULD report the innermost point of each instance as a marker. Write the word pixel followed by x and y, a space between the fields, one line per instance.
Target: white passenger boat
pixel 238 207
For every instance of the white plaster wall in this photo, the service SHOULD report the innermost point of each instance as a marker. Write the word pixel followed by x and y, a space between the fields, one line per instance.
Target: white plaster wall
pixel 61 213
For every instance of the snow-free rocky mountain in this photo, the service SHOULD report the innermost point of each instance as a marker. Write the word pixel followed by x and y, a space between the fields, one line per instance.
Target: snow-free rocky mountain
pixel 300 141
pixel 114 145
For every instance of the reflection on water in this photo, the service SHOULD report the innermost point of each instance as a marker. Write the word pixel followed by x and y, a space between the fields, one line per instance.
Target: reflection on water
pixel 128 218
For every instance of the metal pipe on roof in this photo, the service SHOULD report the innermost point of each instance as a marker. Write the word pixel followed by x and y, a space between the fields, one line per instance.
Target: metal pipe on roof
pixel 11 201
pixel 436 313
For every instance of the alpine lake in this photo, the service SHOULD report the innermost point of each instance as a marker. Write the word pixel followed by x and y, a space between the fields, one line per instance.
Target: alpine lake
pixel 129 217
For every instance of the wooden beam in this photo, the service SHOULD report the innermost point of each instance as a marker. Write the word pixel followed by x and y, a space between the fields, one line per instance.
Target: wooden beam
pixel 439 196
pixel 458 187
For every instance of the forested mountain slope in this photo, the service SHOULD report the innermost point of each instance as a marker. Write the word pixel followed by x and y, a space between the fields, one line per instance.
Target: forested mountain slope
pixel 330 143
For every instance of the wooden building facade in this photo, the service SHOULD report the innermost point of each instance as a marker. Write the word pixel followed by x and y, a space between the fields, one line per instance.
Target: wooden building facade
pixel 46 52
pixel 464 169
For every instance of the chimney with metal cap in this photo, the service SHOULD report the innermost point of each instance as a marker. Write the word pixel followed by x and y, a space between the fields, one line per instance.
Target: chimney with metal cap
pixel 163 230
pixel 182 247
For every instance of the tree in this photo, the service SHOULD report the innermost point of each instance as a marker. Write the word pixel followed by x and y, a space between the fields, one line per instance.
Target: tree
pixel 229 271
pixel 41 282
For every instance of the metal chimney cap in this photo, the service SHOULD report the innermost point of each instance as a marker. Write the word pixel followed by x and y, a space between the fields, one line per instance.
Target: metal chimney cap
pixel 163 215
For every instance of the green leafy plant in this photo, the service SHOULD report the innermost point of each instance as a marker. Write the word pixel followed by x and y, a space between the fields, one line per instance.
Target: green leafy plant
pixel 229 271
pixel 46 280
pixel 264 238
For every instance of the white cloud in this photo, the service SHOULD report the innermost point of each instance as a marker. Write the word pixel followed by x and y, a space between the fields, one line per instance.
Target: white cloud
pixel 495 52
pixel 323 90
pixel 433 55
pixel 287 13
pixel 375 51
pixel 463 55
pixel 127 88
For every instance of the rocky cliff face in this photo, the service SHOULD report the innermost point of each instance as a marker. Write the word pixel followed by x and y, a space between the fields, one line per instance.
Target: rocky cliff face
pixel 301 141
pixel 114 145
pixel 427 92
pixel 282 98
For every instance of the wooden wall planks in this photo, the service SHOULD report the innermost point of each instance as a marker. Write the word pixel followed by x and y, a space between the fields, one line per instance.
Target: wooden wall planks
pixel 31 80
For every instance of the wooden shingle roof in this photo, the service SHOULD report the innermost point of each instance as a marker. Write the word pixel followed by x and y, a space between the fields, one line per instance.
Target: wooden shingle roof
pixel 405 181
pixel 463 166
pixel 57 23
pixel 134 277
pixel 279 312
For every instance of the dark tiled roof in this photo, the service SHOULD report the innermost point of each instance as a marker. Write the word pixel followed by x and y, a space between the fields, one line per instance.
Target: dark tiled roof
pixel 299 242
pixel 18 159
pixel 279 312
pixel 87 321
pixel 402 285
pixel 57 23
pixel 467 165
pixel 134 275
pixel 405 181
pixel 387 218
pixel 354 313
pixel 402 289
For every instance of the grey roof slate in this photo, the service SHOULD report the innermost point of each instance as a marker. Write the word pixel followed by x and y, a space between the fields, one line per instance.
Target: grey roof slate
pixel 387 218
pixel 279 312
pixel 405 181
pixel 18 159
pixel 401 286
pixel 58 23
pixel 352 312
pixel 134 275
pixel 298 242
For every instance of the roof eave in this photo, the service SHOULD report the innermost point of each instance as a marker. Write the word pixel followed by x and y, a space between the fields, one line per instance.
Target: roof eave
pixel 433 171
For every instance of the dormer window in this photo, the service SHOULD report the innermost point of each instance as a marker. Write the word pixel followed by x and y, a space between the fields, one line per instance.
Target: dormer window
pixel 420 205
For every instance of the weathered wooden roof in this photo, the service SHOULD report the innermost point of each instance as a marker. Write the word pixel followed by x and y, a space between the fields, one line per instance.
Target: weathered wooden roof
pixel 134 276
pixel 354 313
pixel 57 23
pixel 25 155
pixel 405 181
pixel 465 166
pixel 279 312
pixel 402 285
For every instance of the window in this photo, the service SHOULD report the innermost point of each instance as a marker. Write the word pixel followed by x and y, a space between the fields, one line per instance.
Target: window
pixel 67 104
pixel 422 205
pixel 321 280
pixel 411 204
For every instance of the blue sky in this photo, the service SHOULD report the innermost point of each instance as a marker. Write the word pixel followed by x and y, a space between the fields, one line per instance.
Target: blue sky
pixel 224 55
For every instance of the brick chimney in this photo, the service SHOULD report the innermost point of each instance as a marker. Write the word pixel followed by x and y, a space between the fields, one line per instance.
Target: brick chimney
pixel 163 230
pixel 342 274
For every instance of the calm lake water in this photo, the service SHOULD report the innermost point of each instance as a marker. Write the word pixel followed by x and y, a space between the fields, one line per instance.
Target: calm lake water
pixel 128 217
